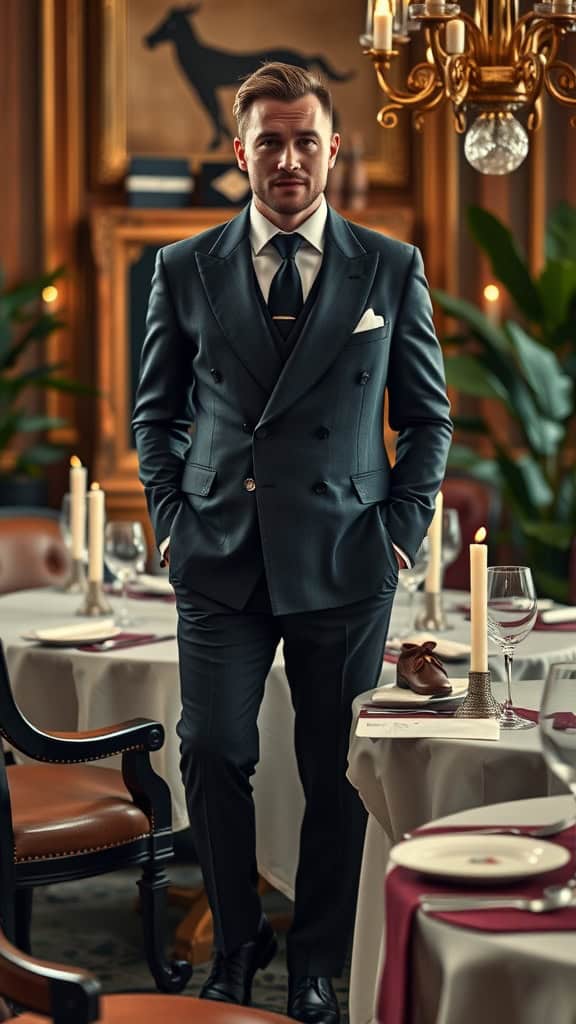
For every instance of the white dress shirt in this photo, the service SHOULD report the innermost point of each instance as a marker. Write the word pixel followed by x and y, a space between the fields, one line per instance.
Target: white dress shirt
pixel 266 260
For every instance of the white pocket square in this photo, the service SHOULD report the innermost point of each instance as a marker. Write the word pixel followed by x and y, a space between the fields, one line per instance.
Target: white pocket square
pixel 368 321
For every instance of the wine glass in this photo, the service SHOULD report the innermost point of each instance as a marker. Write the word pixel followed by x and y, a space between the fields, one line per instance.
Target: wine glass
pixel 558 722
pixel 125 555
pixel 512 610
pixel 451 544
pixel 410 579
pixel 65 526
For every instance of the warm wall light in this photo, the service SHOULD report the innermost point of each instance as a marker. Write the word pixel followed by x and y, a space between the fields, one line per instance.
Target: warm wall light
pixel 491 293
pixel 50 293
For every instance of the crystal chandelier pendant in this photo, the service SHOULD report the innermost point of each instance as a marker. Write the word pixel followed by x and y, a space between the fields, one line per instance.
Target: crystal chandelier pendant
pixel 496 143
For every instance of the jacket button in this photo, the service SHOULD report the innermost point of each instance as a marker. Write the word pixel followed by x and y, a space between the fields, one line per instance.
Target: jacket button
pixel 249 484
pixel 364 377
pixel 247 428
pixel 322 433
pixel 216 374
pixel 321 487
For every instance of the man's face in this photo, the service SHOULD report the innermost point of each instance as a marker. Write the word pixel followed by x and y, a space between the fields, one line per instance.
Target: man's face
pixel 287 151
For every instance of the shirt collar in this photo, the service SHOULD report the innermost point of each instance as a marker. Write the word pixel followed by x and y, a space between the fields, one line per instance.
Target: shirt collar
pixel 312 229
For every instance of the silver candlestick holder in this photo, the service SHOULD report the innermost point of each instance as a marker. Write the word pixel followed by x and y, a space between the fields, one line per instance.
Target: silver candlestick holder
pixel 95 601
pixel 432 617
pixel 76 582
pixel 479 702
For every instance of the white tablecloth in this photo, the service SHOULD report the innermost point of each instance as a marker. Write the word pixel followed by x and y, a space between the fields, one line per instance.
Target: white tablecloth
pixel 458 975
pixel 406 783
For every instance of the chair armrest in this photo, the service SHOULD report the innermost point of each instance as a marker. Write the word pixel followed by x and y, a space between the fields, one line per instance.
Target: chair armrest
pixel 138 734
pixel 46 987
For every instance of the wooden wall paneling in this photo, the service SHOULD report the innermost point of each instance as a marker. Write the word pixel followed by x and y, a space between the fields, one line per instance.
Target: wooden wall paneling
pixel 62 100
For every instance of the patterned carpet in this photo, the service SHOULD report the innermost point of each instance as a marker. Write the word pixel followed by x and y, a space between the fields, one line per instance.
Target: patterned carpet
pixel 94 924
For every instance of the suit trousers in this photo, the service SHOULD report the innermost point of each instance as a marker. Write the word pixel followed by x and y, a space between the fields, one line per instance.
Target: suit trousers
pixel 330 656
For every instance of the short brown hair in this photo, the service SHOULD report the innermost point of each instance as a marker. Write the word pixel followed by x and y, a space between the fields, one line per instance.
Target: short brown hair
pixel 278 81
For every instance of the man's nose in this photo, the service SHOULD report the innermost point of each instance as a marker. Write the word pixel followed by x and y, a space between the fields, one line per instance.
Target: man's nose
pixel 289 159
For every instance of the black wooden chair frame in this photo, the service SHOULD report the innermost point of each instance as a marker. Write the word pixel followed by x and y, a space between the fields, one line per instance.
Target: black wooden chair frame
pixel 134 740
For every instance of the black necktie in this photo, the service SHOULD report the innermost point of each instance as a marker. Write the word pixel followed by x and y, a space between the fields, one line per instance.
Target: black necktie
pixel 285 299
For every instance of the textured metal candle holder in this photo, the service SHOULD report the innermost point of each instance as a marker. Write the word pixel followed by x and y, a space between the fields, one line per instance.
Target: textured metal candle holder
pixel 432 617
pixel 95 602
pixel 76 582
pixel 479 701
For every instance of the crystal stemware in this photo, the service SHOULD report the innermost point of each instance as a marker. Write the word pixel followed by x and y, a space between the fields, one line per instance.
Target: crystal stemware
pixel 451 544
pixel 410 579
pixel 557 724
pixel 512 610
pixel 125 556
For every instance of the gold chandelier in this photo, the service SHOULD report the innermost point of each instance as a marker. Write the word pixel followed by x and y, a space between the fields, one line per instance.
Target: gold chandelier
pixel 491 65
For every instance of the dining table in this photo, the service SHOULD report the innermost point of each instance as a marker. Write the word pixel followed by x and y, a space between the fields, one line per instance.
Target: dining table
pixel 466 974
pixel 403 783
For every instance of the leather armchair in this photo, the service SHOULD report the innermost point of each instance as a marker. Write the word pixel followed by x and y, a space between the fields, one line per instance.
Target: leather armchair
pixel 66 996
pixel 32 552
pixel 64 817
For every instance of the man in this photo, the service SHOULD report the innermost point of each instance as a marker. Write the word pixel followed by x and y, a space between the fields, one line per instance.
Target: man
pixel 276 335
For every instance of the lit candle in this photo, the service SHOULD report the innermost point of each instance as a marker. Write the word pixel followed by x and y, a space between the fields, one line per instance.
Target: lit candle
pixel 434 574
pixel 382 26
pixel 455 36
pixel 492 303
pixel 77 506
pixel 479 603
pixel 95 501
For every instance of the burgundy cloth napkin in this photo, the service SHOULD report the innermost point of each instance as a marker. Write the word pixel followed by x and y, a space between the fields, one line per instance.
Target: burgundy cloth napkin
pixel 149 595
pixel 122 640
pixel 403 890
pixel 391 658
pixel 554 627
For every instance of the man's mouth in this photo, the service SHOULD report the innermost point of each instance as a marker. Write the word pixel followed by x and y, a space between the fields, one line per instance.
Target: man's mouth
pixel 289 181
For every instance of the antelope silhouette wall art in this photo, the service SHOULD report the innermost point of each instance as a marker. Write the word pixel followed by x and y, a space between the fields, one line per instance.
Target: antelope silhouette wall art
pixel 208 69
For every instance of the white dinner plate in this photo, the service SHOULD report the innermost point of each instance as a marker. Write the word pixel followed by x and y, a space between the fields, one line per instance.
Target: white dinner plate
pixel 147 584
pixel 479 858
pixel 396 697
pixel 72 635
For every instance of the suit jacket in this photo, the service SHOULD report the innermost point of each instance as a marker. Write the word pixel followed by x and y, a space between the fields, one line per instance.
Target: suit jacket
pixel 284 467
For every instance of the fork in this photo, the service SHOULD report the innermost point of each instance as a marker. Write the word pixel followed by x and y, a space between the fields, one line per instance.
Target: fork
pixel 537 832
pixel 562 899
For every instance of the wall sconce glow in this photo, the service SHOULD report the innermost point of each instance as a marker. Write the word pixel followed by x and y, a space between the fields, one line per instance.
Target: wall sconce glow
pixel 50 293
pixel 480 535
pixel 491 293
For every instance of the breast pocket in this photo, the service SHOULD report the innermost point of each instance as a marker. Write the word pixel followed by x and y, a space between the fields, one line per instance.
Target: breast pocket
pixel 376 334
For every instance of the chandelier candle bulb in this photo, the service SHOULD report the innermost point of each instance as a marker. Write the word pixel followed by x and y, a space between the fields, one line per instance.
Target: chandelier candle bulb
pixel 382 27
pixel 455 36
pixel 77 489
pixel 433 576
pixel 479 603
pixel 95 500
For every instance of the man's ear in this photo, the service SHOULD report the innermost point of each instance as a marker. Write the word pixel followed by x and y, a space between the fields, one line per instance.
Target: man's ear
pixel 240 154
pixel 334 147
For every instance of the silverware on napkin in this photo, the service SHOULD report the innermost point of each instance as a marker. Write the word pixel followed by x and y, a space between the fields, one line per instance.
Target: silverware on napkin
pixel 116 645
pixel 535 832
pixel 562 899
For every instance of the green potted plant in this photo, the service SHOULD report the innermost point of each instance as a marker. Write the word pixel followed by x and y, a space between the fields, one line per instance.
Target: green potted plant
pixel 528 366
pixel 25 451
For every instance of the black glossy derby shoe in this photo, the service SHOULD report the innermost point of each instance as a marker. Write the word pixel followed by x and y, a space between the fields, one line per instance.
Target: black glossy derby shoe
pixel 312 1000
pixel 230 980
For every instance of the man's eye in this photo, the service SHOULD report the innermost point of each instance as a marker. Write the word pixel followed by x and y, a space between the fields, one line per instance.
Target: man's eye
pixel 308 143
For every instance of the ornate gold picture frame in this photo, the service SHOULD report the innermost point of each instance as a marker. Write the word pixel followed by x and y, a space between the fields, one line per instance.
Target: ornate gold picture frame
pixel 168 77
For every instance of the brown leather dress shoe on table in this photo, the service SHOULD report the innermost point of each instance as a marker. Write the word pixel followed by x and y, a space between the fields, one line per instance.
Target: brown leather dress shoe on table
pixel 421 671
pixel 230 980
pixel 312 1000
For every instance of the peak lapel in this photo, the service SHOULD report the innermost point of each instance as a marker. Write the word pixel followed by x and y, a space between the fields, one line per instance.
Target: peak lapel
pixel 347 277
pixel 228 278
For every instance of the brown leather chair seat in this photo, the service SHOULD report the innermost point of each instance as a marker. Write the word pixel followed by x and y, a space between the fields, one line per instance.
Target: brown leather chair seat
pixel 32 552
pixel 144 1009
pixel 61 810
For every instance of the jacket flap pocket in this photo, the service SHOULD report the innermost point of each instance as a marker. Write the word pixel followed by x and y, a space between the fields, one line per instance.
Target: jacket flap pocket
pixel 197 479
pixel 373 486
